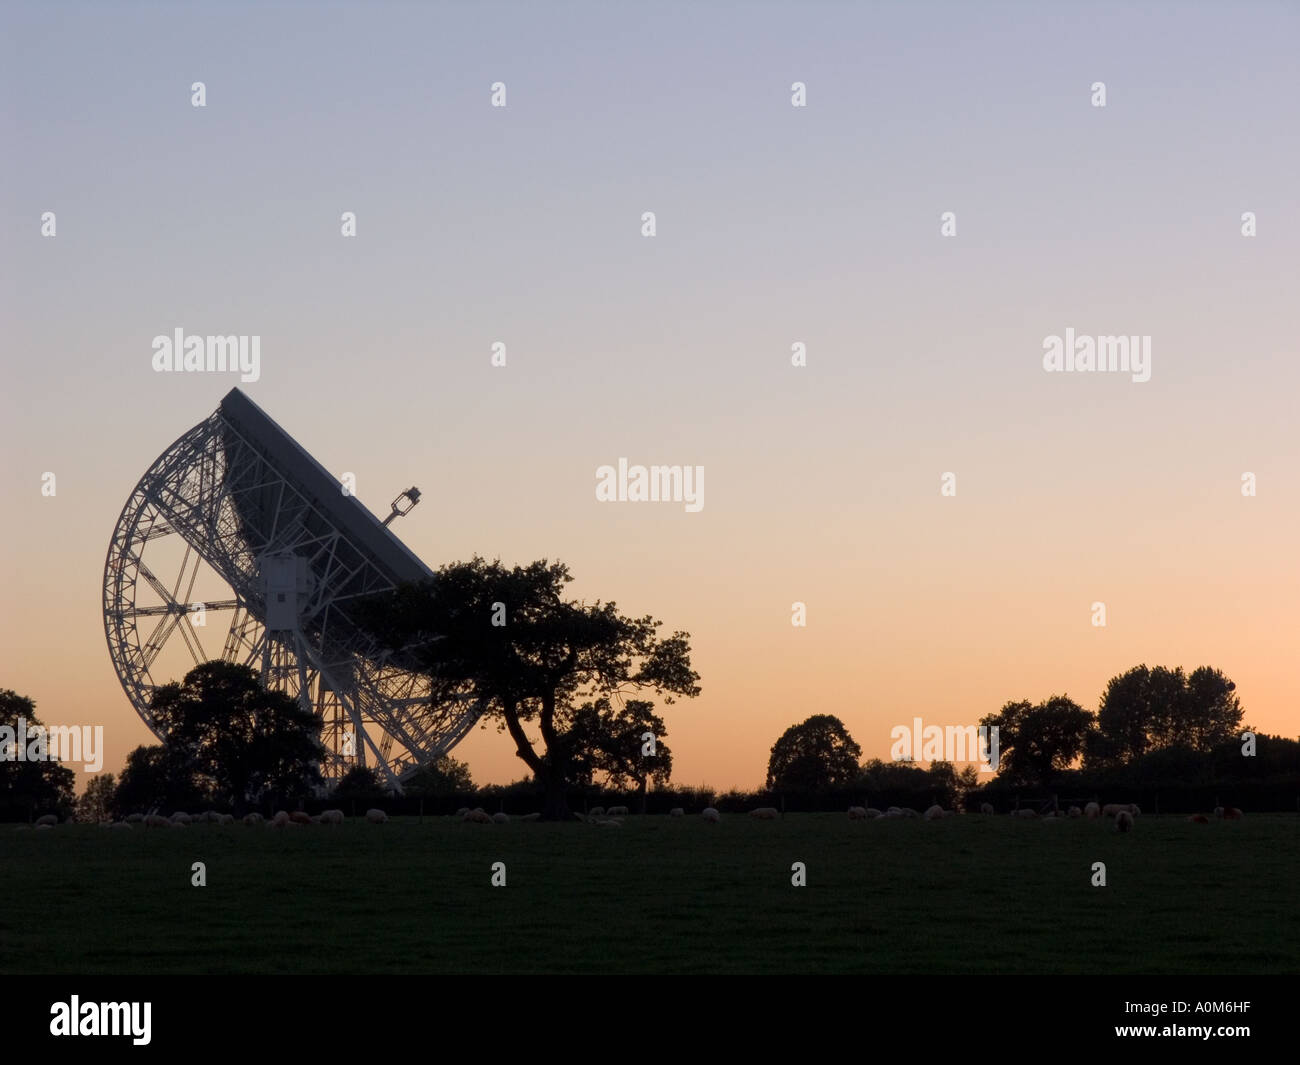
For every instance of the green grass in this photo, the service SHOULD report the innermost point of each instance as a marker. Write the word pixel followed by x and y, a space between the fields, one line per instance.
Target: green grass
pixel 963 895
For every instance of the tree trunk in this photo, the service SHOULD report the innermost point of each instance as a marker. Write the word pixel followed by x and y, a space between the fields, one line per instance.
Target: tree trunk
pixel 640 808
pixel 554 806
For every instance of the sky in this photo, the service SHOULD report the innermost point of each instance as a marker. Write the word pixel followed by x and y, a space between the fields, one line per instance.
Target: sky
pixel 775 225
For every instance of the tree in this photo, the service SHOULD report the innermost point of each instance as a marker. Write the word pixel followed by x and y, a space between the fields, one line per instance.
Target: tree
pixel 235 738
pixel 155 779
pixel 506 638
pixel 1153 709
pixel 32 782
pixel 1036 741
pixel 813 756
pixel 442 776
pixel 96 803
pixel 359 783
pixel 610 739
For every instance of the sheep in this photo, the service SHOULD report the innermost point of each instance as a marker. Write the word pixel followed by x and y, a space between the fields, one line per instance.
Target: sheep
pixel 501 818
pixel 121 824
pixel 280 819
pixel 299 817
pixel 893 811
pixel 47 820
pixel 1092 811
pixel 134 819
pixel 253 819
pixel 211 817
pixel 1218 811
pixel 1232 814
pixel 534 816
pixel 461 812
pixel 676 811
pixel 477 817
pixel 596 811
pixel 616 811
pixel 177 824
pixel 44 827
pixel 1075 812
pixel 765 813
pixel 1112 809
pixel 156 821
pixel 987 808
pixel 1123 821
pixel 331 817
pixel 873 813
pixel 227 819
pixel 606 823
pixel 180 817
pixel 857 813
pixel 710 815
pixel 1024 811
pixel 376 817
pixel 934 813
pixel 1199 819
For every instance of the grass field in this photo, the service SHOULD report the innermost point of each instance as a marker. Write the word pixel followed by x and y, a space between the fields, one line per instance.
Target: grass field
pixel 962 895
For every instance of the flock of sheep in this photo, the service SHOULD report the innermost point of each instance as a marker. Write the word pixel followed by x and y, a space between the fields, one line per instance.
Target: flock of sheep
pixel 1123 813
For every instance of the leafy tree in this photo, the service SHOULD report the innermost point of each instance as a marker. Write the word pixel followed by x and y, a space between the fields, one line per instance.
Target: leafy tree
pixel 507 638
pixel 360 783
pixel 155 779
pixel 1146 710
pixel 235 738
pixel 607 739
pixel 1036 741
pixel 813 756
pixel 96 803
pixel 28 786
pixel 443 776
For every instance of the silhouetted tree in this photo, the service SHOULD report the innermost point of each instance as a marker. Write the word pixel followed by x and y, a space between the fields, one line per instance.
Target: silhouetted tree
pixel 155 779
pixel 96 802
pixel 443 776
pixel 235 738
pixel 507 638
pixel 27 787
pixel 1035 741
pixel 817 754
pixel 608 739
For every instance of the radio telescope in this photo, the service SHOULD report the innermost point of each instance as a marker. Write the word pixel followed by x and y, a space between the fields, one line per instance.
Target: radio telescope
pixel 237 544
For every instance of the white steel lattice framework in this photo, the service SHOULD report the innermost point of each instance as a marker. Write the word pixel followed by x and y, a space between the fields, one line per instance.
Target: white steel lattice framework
pixel 238 497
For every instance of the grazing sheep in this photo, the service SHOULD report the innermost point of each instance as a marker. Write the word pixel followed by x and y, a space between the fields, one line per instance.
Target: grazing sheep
pixel 253 819
pixel 44 827
pixel 299 817
pixel 934 813
pixel 1123 821
pixel 676 811
pixel 711 815
pixel 1092 811
pixel 227 819
pixel 1075 812
pixel 765 813
pixel 461 812
pixel 986 808
pixel 893 811
pixel 909 812
pixel 280 819
pixel 211 817
pixel 121 824
pixel 1218 811
pixel 1232 814
pixel 531 817
pixel 597 811
pixel 616 811
pixel 1113 809
pixel 376 817
pixel 331 817
pixel 501 818
pixel 181 818
pixel 873 813
pixel 156 821
pixel 857 813
pixel 1024 811
pixel 47 820
pixel 178 824
pixel 606 823
pixel 1199 819
pixel 477 817
pixel 134 819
